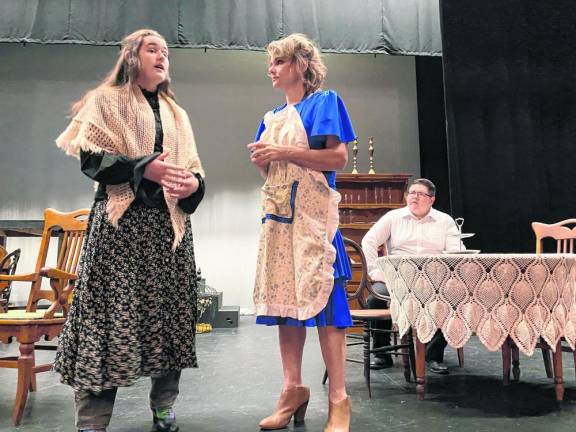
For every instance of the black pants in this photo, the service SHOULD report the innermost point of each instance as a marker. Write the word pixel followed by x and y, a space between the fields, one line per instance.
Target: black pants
pixel 434 348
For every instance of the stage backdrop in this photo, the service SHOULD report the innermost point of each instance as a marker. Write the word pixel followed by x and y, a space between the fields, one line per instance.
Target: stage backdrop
pixel 366 26
pixel 510 88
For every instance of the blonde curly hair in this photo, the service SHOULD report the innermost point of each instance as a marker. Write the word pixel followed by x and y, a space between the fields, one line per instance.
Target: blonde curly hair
pixel 302 51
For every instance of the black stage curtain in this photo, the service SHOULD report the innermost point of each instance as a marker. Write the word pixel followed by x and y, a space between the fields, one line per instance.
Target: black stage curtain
pixel 432 128
pixel 510 88
pixel 408 27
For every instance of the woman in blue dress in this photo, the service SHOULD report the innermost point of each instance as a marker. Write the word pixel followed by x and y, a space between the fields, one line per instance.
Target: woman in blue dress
pixel 302 264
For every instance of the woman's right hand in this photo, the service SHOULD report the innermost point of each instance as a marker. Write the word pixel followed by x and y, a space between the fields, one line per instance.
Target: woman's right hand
pixel 261 165
pixel 164 173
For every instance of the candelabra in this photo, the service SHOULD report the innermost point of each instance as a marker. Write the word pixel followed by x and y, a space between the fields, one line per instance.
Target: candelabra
pixel 371 153
pixel 355 157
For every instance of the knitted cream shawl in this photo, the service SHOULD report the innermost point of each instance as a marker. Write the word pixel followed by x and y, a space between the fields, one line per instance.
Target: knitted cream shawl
pixel 118 121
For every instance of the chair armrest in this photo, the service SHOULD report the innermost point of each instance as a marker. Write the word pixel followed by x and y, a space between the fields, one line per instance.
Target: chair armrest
pixel 377 295
pixel 53 273
pixel 26 277
pixel 62 285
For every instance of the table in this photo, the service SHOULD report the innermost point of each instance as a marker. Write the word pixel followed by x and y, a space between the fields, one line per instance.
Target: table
pixel 495 296
pixel 20 228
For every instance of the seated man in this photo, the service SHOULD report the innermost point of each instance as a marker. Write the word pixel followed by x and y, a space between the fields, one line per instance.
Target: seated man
pixel 416 229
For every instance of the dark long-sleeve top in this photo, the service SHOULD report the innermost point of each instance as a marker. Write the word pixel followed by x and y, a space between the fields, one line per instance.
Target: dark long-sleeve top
pixel 109 169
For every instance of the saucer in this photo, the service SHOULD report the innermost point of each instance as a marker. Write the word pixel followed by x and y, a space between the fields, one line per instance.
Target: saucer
pixel 462 252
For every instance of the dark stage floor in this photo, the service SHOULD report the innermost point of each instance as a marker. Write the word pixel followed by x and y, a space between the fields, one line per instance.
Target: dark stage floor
pixel 240 377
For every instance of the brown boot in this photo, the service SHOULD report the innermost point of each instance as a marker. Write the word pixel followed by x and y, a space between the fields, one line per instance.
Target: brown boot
pixel 339 416
pixel 292 402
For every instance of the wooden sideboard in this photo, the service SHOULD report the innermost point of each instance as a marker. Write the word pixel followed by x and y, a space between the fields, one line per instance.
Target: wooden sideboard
pixel 365 199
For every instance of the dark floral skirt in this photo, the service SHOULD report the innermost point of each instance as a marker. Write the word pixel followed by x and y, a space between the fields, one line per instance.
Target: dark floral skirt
pixel 134 307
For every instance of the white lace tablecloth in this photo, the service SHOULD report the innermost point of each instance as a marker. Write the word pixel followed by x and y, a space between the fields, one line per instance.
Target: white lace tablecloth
pixel 524 296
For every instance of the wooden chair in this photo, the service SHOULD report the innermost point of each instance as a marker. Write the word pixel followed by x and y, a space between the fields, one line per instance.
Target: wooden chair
pixel 29 326
pixel 8 266
pixel 365 318
pixel 564 233
pixel 559 231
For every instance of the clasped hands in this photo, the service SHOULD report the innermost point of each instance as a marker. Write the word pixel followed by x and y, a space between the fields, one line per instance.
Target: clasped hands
pixel 178 182
pixel 261 154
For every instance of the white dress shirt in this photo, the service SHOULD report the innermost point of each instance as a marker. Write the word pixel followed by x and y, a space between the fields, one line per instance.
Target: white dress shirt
pixel 405 234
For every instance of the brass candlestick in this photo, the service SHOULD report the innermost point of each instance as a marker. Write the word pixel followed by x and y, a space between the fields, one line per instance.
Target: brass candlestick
pixel 355 157
pixel 371 153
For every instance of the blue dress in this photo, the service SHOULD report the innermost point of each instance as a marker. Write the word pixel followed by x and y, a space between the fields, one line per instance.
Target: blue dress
pixel 323 113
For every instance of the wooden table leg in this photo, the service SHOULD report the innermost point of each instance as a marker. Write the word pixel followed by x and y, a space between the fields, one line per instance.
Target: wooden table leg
pixel 460 352
pixel 406 358
pixel 558 374
pixel 515 362
pixel 420 365
pixel 546 359
pixel 506 361
pixel 25 365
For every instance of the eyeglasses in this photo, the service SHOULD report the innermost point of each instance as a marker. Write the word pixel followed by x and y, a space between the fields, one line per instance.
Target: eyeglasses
pixel 419 194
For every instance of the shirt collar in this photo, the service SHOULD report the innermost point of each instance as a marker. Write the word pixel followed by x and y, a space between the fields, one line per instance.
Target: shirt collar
pixel 432 214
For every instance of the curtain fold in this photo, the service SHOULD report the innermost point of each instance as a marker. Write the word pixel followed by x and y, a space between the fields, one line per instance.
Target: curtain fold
pixel 410 27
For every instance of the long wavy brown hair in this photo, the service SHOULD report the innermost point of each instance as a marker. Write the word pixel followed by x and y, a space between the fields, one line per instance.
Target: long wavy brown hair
pixel 127 68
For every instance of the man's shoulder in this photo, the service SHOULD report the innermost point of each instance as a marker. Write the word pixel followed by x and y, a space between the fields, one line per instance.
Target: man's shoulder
pixel 439 215
pixel 397 213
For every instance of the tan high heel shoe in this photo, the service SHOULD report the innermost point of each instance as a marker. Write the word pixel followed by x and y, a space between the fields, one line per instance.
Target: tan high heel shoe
pixel 339 416
pixel 292 402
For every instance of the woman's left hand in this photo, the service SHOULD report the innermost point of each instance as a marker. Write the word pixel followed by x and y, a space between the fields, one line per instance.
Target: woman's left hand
pixel 262 154
pixel 183 188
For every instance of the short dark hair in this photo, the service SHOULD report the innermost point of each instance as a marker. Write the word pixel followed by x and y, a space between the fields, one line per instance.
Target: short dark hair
pixel 429 185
